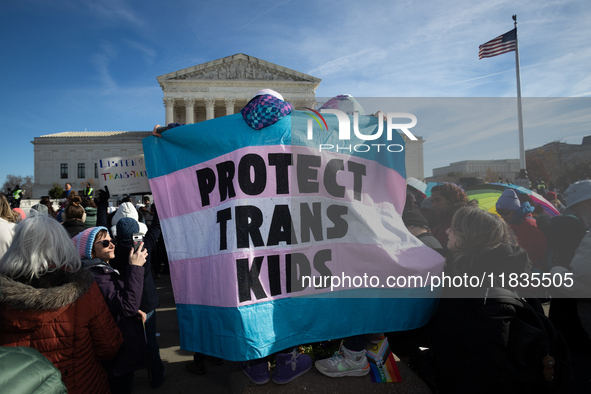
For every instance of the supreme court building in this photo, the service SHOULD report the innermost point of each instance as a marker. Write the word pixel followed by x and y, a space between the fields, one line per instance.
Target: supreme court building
pixel 206 91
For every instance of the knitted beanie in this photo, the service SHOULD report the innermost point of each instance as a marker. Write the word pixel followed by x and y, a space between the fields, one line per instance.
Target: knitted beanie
pixel 85 240
pixel 126 227
pixel 508 200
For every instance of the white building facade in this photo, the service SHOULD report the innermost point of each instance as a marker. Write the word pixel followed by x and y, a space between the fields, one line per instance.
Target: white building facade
pixel 206 91
pixel 507 169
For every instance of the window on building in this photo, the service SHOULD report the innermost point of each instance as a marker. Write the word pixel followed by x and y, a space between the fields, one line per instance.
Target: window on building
pixel 81 170
pixel 95 170
pixel 64 171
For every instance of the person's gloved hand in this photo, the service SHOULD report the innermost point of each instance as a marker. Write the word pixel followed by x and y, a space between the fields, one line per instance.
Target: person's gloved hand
pixel 103 195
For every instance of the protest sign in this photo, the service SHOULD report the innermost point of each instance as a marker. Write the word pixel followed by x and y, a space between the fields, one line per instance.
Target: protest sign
pixel 260 225
pixel 124 175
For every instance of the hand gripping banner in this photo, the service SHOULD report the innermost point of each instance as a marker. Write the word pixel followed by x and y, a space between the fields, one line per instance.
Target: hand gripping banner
pixel 275 239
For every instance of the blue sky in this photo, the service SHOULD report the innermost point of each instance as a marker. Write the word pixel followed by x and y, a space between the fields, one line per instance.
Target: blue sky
pixel 78 65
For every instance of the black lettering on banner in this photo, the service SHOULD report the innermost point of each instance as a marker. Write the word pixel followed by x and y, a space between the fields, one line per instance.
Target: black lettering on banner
pixel 249 279
pixel 320 259
pixel 340 228
pixel 306 173
pixel 293 261
pixel 249 220
pixel 248 185
pixel 206 182
pixel 330 178
pixel 274 274
pixel 281 161
pixel 226 172
pixel 281 229
pixel 311 221
pixel 223 216
pixel 358 170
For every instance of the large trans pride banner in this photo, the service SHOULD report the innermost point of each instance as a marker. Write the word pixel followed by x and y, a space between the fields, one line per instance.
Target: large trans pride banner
pixel 275 239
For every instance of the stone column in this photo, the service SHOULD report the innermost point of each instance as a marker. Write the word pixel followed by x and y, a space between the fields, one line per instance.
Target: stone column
pixel 169 105
pixel 309 103
pixel 209 108
pixel 230 105
pixel 190 110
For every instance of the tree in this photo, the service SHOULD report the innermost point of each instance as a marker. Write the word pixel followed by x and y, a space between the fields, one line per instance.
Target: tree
pixel 491 176
pixel 536 168
pixel 25 183
pixel 56 191
pixel 573 172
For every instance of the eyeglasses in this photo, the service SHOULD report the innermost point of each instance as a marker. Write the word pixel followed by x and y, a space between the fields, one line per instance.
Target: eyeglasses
pixel 106 242
pixel 504 212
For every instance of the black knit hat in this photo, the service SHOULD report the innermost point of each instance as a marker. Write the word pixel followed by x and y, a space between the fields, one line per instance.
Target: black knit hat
pixel 126 227
pixel 414 218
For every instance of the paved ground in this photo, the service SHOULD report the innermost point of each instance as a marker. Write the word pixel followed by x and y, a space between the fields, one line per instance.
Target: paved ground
pixel 229 378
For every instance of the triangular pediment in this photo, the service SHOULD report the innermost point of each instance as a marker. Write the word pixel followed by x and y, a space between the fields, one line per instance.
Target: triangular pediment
pixel 238 67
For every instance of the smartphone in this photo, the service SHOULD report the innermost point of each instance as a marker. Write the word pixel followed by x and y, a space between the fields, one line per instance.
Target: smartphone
pixel 137 240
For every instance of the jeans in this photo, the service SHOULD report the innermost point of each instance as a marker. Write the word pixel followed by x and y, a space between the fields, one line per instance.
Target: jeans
pixel 155 368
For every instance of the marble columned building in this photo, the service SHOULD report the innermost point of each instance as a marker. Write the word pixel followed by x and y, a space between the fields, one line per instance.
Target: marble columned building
pixel 206 91
pixel 222 87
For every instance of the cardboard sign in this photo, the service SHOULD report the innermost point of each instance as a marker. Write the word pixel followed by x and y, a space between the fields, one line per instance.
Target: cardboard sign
pixel 124 175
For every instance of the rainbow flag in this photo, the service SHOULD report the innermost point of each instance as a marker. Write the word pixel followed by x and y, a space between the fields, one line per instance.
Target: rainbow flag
pixel 382 363
pixel 247 215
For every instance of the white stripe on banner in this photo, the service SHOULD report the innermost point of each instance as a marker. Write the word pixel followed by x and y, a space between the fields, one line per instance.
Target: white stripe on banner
pixel 316 221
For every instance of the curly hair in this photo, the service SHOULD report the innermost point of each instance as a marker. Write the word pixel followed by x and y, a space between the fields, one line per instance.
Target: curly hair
pixel 477 231
pixel 455 195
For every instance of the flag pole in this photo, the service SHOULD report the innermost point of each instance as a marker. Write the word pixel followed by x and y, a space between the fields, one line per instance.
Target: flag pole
pixel 522 169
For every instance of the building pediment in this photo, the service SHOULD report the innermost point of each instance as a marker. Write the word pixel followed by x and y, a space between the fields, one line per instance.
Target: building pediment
pixel 239 67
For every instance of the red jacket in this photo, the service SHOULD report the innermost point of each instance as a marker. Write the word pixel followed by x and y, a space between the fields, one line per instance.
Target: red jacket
pixel 64 316
pixel 531 238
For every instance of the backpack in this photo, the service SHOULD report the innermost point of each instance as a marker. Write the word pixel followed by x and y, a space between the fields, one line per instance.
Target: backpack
pixel 539 358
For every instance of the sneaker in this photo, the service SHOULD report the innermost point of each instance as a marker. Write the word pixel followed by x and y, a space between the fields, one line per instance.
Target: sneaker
pixel 196 368
pixel 257 371
pixel 290 366
pixel 344 363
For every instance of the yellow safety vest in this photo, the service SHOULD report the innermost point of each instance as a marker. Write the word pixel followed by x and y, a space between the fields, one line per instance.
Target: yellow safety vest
pixel 17 194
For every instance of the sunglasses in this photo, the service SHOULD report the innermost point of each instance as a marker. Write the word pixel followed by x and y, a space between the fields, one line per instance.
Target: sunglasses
pixel 504 212
pixel 106 242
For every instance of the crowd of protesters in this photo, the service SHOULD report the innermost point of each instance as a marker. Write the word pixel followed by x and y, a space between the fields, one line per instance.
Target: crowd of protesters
pixel 78 286
pixel 68 291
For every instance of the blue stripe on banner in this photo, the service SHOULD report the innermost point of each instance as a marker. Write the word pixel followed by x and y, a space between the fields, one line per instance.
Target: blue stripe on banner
pixel 192 144
pixel 258 330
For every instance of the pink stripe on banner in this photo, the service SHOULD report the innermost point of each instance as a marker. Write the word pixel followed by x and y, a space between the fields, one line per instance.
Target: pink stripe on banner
pixel 381 186
pixel 213 280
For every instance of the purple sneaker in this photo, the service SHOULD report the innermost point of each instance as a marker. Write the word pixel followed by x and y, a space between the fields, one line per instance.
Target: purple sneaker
pixel 257 370
pixel 291 365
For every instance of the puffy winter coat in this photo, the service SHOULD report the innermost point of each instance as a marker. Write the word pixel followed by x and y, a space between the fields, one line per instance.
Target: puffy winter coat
pixel 25 370
pixel 90 217
pixel 65 317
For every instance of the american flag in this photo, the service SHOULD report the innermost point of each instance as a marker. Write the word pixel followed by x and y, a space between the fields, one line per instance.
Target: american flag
pixel 502 44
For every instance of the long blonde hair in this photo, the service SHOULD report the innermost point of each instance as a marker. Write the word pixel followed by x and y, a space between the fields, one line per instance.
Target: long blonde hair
pixel 5 212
